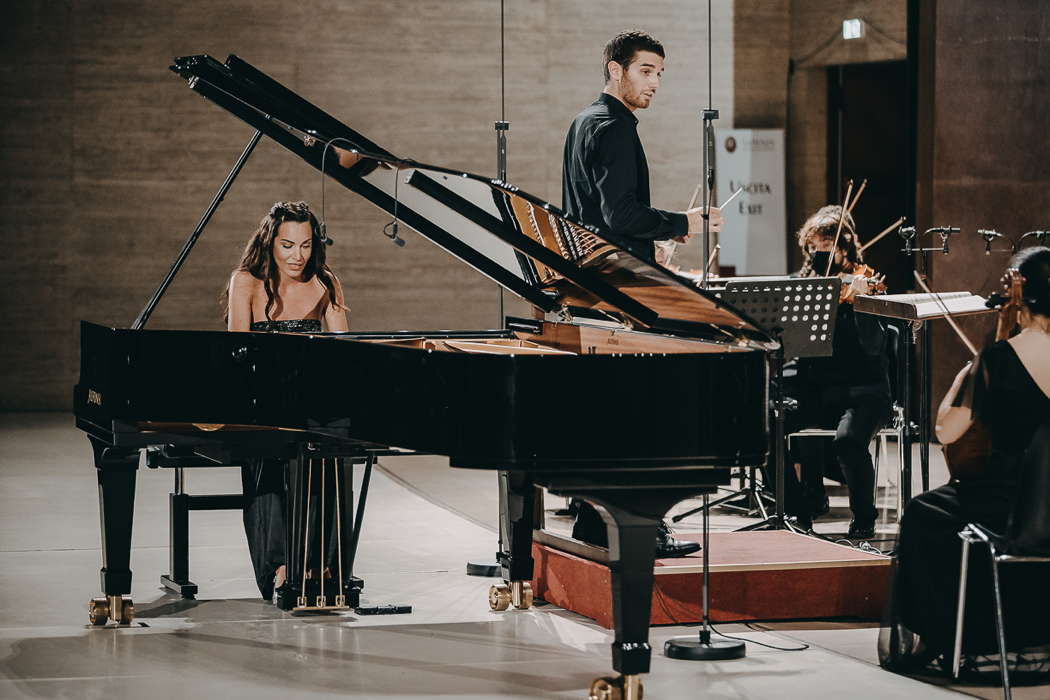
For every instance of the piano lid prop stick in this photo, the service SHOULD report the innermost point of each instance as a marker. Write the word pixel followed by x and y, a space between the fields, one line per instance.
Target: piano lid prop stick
pixel 856 199
pixel 946 313
pixel 885 232
pixel 838 229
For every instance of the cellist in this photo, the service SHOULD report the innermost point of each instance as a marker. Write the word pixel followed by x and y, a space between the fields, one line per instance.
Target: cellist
pixel 1007 389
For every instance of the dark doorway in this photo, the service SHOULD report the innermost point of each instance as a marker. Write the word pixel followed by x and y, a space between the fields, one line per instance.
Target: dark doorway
pixel 869 136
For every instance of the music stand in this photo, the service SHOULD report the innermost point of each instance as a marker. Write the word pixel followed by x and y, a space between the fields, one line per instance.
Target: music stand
pixel 800 312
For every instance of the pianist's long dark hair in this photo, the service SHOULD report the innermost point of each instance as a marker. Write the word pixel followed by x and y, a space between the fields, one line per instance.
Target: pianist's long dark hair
pixel 258 254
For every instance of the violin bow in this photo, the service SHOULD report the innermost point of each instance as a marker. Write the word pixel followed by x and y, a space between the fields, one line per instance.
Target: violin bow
pixel 946 314
pixel 838 229
pixel 856 198
pixel 886 231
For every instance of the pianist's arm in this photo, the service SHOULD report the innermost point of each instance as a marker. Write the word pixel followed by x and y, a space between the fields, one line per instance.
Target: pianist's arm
pixel 335 314
pixel 242 285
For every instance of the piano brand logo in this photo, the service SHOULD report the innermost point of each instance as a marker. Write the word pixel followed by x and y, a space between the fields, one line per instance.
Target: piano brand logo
pixel 94 397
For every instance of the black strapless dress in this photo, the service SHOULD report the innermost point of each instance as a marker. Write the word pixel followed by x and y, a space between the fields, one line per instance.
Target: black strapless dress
pixel 289 325
pixel 266 491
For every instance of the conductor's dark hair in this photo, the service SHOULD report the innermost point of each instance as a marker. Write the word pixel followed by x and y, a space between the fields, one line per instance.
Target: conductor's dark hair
pixel 1034 265
pixel 623 47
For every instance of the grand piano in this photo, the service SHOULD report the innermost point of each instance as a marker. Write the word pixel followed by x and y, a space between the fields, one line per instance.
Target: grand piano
pixel 630 387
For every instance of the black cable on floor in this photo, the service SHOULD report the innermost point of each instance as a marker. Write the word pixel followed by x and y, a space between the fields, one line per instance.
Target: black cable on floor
pixel 761 644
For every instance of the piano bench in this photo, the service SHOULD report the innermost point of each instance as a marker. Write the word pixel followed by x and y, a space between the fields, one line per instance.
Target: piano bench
pixel 179 507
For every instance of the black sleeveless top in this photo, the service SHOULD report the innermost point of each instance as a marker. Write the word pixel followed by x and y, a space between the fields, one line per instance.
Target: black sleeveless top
pixel 291 325
pixel 1003 395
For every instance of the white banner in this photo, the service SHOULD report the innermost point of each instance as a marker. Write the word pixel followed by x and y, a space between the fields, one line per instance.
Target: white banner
pixel 752 238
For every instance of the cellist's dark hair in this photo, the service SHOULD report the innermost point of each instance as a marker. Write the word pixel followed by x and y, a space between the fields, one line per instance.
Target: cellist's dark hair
pixel 257 258
pixel 1034 265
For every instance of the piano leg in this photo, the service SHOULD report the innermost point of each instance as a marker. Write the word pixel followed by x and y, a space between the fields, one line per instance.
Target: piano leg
pixel 116 469
pixel 517 519
pixel 632 524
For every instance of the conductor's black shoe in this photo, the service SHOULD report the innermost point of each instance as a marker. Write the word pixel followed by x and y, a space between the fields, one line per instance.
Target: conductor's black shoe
pixel 860 531
pixel 667 547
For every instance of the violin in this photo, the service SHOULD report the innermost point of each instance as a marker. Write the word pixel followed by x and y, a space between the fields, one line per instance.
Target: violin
pixel 852 271
pixel 967 456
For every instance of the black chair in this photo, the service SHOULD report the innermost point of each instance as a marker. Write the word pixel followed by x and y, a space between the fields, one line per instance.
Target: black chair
pixel 1027 541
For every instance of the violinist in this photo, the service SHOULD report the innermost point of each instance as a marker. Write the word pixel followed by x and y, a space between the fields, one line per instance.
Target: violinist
pixel 849 391
pixel 1006 390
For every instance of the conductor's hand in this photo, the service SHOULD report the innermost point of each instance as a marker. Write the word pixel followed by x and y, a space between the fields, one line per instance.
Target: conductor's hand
pixel 696 219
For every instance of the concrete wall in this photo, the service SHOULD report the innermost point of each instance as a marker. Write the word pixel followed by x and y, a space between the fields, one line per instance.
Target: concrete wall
pixel 108 159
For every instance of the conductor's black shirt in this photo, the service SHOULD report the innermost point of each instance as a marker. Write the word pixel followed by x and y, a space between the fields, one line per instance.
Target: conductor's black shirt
pixel 605 179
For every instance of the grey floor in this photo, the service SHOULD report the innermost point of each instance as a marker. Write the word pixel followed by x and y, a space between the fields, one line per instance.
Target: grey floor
pixel 424 521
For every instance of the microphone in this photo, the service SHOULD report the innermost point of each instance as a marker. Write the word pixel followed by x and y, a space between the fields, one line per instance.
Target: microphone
pixel 390 231
pixel 908 234
pixel 324 235
pixel 988 235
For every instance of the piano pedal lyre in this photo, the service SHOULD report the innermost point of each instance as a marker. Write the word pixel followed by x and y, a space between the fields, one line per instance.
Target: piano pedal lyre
pixel 516 593
pixel 118 608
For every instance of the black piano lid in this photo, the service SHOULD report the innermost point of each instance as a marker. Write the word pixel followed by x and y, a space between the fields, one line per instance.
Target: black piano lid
pixel 521 242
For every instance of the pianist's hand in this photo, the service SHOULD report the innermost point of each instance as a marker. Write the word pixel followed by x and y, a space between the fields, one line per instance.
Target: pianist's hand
pixel 696 219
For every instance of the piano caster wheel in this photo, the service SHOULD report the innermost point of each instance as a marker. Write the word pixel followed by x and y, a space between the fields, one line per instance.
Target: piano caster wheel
pixel 119 608
pixel 619 688
pixel 499 597
pixel 521 594
pixel 127 612
pixel 98 611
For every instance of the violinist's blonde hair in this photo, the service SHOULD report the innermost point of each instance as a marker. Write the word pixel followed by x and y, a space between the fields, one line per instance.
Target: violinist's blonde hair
pixel 822 225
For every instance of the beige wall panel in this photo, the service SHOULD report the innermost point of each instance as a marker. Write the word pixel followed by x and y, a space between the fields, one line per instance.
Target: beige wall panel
pixel 36 147
pixel 109 159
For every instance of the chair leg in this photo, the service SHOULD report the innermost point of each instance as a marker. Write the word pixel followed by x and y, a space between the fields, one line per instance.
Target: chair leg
pixel 960 609
pixel 999 627
pixel 878 458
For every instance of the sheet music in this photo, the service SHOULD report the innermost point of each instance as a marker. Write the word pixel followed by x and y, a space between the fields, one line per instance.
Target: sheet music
pixel 917 307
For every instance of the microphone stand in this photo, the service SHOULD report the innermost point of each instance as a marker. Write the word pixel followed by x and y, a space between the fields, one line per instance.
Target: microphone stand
pixel 702 648
pixel 491 569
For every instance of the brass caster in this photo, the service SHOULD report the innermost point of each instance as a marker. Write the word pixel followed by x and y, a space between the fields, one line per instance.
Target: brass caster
pixel 98 611
pixel 499 597
pixel 619 688
pixel 521 594
pixel 127 612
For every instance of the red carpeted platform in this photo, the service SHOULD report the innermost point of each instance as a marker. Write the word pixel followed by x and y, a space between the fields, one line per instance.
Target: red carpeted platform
pixel 775 575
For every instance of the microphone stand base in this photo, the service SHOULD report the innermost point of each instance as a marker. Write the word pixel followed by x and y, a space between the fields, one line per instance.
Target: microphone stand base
pixel 692 649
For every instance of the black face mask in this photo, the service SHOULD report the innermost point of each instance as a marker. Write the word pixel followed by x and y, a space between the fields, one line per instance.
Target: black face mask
pixel 820 261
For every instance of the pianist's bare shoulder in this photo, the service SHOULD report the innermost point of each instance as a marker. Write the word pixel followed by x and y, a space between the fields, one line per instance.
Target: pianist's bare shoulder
pixel 243 288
